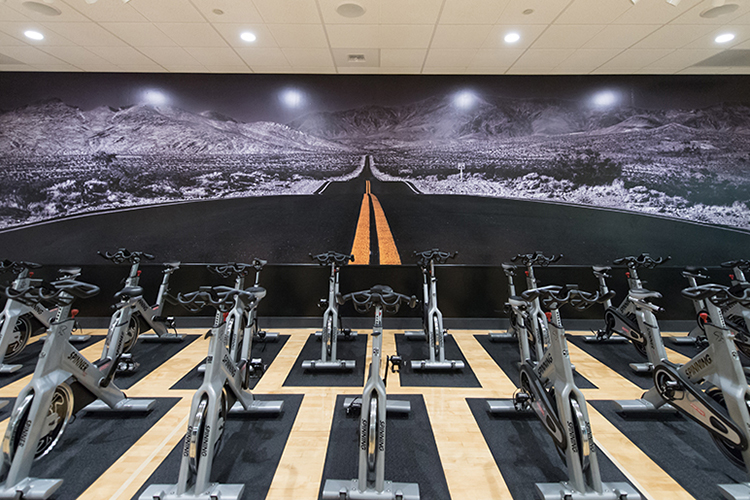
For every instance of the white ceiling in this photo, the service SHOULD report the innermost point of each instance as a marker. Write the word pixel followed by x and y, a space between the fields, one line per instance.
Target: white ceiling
pixel 396 36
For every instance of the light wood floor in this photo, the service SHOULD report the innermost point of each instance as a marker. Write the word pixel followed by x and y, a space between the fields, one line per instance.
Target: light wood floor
pixel 470 469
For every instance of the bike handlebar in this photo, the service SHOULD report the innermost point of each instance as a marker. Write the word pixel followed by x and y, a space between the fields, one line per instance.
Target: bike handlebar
pixel 219 297
pixel 643 260
pixel 259 263
pixel 230 269
pixel 536 258
pixel 424 258
pixel 124 255
pixel 742 264
pixel 60 292
pixel 328 258
pixel 16 267
pixel 718 294
pixel 378 295
pixel 555 296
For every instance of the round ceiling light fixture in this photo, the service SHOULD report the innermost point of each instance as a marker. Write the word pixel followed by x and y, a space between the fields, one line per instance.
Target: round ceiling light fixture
pixel 350 10
pixel 34 35
pixel 724 38
pixel 248 36
pixel 721 10
pixel 512 37
pixel 41 8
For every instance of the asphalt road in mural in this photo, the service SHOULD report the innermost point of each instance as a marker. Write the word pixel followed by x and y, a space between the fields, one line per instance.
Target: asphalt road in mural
pixel 380 222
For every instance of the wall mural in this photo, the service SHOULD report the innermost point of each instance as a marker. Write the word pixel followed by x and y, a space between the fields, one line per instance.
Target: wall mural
pixel 674 147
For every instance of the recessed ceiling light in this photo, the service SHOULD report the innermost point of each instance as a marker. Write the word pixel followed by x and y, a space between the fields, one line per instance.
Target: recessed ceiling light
pixel 350 10
pixel 724 38
pixel 34 35
pixel 512 37
pixel 41 8
pixel 721 10
pixel 248 36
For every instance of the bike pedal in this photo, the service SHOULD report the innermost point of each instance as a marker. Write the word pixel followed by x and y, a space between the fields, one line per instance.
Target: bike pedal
pixel 396 362
pixel 257 368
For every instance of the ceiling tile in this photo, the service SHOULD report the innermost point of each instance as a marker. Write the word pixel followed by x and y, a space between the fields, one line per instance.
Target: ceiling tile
pixel 77 56
pixel 673 36
pixel 288 11
pixel 30 55
pixel 169 56
pixel 586 60
pixel 140 34
pixel 330 16
pixel 398 70
pixel 16 30
pixel 405 36
pixel 447 70
pixel 594 11
pixel 106 11
pixel 187 69
pixel 620 36
pixel 693 16
pixel 169 11
pixel 9 14
pixel 297 71
pixel 364 36
pixel 409 11
pixel 487 70
pixel 104 67
pixel 527 71
pixel 122 55
pixel 231 33
pixel 59 67
pixel 567 36
pixel 441 58
pixel 402 57
pixel 215 56
pixel 742 20
pixel 229 69
pixel 683 58
pixel 232 11
pixel 86 34
pixel 358 71
pixel 67 13
pixel 707 41
pixel 544 11
pixel 299 35
pixel 542 58
pixel 453 36
pixel 308 57
pixel 472 11
pixel 6 39
pixel 192 34
pixel 502 58
pixel 635 59
pixel 141 68
pixel 263 57
pixel 655 12
pixel 700 70
pixel 17 67
pixel 529 33
pixel 650 70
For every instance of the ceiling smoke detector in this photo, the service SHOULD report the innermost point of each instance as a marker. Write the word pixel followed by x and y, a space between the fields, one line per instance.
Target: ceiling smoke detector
pixel 350 10
pixel 41 8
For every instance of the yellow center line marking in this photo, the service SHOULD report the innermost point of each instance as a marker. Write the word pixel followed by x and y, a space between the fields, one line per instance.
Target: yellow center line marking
pixel 361 245
pixel 386 246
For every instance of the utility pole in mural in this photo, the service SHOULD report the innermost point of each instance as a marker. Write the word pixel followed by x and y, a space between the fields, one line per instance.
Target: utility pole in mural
pixel 490 171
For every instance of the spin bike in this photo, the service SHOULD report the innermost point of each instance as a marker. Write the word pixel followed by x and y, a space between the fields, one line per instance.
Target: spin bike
pixel 152 316
pixel 19 322
pixel 536 331
pixel 548 389
pixel 63 384
pixel 736 315
pixel 711 388
pixel 370 483
pixel 331 319
pixel 634 319
pixel 432 318
pixel 224 390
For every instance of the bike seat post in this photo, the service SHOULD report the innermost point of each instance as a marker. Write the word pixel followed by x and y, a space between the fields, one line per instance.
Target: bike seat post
pixel 133 278
pixel 603 288
pixel 633 280
pixel 739 275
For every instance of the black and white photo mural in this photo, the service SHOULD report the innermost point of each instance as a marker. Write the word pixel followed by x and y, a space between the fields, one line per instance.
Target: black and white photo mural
pixel 226 167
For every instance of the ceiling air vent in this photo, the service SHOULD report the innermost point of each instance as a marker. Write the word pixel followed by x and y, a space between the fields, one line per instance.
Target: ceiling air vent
pixel 357 58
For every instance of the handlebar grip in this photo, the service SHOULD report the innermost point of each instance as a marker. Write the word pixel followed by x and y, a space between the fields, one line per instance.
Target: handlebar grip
pixel 742 264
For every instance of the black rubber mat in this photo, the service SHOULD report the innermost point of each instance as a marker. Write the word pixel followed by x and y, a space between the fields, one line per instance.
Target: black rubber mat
pixel 91 444
pixel 525 453
pixel 29 356
pixel 411 455
pixel 418 350
pixel 251 450
pixel 149 356
pixel 617 356
pixel 267 351
pixel 507 356
pixel 679 446
pixel 355 348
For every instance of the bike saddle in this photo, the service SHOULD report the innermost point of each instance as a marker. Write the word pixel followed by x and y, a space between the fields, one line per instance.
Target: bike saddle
pixel 382 295
pixel 643 294
pixel 695 272
pixel 258 264
pixel 129 292
pixel 172 265
pixel 509 269
pixel 601 269
pixel 258 291
pixel 519 303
